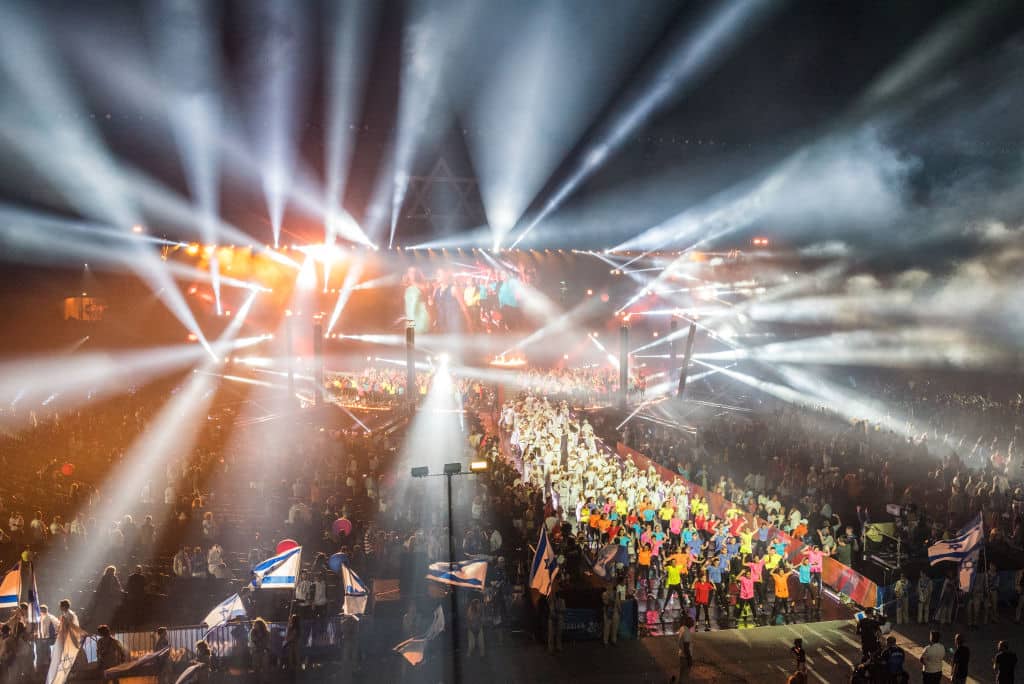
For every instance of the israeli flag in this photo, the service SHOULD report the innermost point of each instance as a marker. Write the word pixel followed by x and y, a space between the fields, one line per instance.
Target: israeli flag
pixel 356 595
pixel 468 574
pixel 545 565
pixel 10 588
pixel 231 607
pixel 968 568
pixel 34 614
pixel 959 547
pixel 278 572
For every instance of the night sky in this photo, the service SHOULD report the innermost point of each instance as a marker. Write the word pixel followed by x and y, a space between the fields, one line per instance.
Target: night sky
pixel 794 77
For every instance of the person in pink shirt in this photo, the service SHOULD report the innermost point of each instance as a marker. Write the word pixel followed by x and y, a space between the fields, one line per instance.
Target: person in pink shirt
pixel 756 566
pixel 675 529
pixel 746 583
pixel 815 556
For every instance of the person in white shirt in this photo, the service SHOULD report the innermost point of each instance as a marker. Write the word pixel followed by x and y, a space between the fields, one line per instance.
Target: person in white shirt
pixel 319 596
pixel 67 616
pixel 931 660
pixel 214 557
pixel 48 624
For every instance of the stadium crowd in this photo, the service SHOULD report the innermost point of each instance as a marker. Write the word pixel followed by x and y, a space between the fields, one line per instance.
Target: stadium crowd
pixel 196 528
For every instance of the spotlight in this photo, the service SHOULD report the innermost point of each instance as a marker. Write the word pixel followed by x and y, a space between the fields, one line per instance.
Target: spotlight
pixel 443 358
pixel 452 468
pixel 422 471
pixel 138 229
pixel 477 466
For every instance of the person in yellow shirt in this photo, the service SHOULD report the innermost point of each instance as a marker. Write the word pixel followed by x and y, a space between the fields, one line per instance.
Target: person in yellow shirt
pixel 621 507
pixel 681 560
pixel 746 540
pixel 772 560
pixel 673 585
pixel 665 515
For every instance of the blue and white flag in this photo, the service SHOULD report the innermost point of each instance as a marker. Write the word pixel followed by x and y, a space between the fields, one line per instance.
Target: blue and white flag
pixel 356 595
pixel 278 572
pixel 34 614
pixel 64 654
pixel 413 649
pixel 545 565
pixel 10 588
pixel 228 609
pixel 605 557
pixel 468 574
pixel 968 568
pixel 959 547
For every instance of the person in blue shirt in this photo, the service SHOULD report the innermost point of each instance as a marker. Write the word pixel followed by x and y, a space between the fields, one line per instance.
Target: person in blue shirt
pixel 649 515
pixel 763 533
pixel 733 546
pixel 695 544
pixel 717 576
pixel 687 534
pixel 780 546
pixel 804 575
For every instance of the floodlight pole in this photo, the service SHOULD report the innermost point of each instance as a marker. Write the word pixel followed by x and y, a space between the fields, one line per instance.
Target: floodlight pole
pixel 318 362
pixel 455 607
pixel 624 365
pixel 410 364
pixel 290 353
pixel 448 474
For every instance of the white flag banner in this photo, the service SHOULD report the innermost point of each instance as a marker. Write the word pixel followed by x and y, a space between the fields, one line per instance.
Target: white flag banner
pixel 356 595
pixel 65 653
pixel 229 608
pixel 468 574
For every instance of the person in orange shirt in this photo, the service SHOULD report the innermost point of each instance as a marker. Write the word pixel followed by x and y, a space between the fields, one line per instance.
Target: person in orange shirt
pixel 780 576
pixel 603 524
pixel 800 531
pixel 595 523
pixel 643 562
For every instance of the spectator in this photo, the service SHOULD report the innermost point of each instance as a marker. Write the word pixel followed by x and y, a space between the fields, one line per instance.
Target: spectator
pixel 961 660
pixel 931 660
pixel 109 651
pixel 1004 663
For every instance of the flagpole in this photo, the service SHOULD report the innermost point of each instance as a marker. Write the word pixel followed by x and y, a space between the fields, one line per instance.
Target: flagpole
pixel 984 553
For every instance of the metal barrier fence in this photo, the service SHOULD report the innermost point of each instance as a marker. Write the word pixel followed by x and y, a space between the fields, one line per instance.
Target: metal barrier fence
pixel 316 636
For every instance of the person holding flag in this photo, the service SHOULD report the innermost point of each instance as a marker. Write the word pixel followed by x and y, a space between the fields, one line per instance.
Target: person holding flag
pixel 67 650
pixel 414 649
